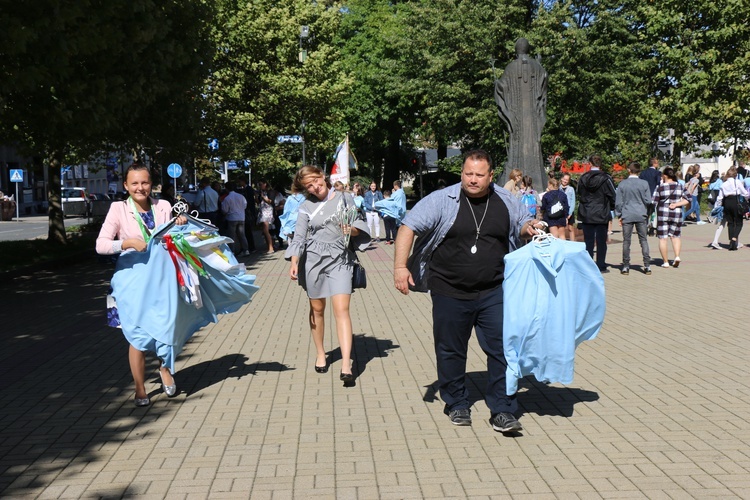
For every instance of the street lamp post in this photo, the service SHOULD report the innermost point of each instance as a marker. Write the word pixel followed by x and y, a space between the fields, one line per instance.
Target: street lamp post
pixel 304 34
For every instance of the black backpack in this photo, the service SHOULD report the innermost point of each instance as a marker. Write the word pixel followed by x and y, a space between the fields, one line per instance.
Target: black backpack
pixel 557 209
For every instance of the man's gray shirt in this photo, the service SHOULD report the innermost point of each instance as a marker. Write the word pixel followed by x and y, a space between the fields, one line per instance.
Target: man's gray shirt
pixel 632 199
pixel 432 217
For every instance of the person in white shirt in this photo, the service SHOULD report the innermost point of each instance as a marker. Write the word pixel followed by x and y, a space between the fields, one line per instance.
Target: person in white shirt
pixel 728 198
pixel 207 202
pixel 234 206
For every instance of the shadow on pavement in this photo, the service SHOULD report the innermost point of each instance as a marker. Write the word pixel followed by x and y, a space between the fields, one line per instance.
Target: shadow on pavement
pixel 364 350
pixel 534 397
pixel 195 378
pixel 66 387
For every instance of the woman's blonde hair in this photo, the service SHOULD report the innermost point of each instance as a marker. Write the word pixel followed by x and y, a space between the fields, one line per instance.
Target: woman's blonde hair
pixel 298 185
pixel 515 174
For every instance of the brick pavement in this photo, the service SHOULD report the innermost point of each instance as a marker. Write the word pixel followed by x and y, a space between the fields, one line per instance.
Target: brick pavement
pixel 657 409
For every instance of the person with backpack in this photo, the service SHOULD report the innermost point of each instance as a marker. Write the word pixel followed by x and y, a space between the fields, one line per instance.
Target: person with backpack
pixel 529 197
pixel 555 209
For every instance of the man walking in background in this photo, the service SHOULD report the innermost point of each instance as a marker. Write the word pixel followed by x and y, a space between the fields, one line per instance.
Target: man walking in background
pixel 596 200
pixel 234 206
pixel 631 205
pixel 652 176
pixel 207 202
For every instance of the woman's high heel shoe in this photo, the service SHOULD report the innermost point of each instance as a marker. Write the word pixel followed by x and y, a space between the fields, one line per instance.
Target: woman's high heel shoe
pixel 169 390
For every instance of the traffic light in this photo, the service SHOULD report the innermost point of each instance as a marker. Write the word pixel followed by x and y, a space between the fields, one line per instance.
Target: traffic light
pixel 414 163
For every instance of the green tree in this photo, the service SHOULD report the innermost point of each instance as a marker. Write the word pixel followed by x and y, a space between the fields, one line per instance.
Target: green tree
pixel 697 69
pixel 259 88
pixel 597 92
pixel 85 76
pixel 454 45
pixel 379 113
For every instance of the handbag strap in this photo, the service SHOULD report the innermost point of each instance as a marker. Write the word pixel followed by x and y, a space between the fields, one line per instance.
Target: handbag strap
pixel 315 212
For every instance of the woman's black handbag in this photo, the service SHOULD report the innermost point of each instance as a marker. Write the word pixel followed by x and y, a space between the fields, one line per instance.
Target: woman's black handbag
pixel 742 205
pixel 359 276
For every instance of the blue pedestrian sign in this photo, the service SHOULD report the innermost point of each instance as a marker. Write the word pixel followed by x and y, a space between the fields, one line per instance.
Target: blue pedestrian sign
pixel 213 144
pixel 290 138
pixel 16 175
pixel 174 170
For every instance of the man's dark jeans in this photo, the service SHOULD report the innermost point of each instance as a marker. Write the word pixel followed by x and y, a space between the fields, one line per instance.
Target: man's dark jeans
pixel 596 233
pixel 453 320
pixel 627 236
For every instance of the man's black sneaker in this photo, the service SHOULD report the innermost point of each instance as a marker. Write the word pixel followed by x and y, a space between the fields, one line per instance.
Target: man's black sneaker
pixel 505 422
pixel 460 416
pixel 625 270
pixel 647 270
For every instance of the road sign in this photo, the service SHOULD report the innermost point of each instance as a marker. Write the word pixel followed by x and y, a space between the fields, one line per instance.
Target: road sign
pixel 16 175
pixel 213 144
pixel 231 165
pixel 290 138
pixel 174 170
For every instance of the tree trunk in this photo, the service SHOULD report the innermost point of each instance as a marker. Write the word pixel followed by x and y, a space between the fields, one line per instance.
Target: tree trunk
pixel 56 233
pixel 442 150
pixel 392 170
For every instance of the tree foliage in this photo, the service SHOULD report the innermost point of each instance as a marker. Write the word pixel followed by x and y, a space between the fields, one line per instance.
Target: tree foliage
pixel 697 69
pixel 84 76
pixel 87 75
pixel 260 89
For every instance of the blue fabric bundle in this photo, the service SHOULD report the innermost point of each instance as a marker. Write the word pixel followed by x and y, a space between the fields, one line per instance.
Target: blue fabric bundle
pixel 553 300
pixel 152 313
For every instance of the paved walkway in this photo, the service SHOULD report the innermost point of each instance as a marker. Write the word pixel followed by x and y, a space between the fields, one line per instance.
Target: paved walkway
pixel 658 408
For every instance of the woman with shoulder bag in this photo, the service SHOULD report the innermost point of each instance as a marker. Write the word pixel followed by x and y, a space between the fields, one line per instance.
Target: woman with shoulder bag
pixel 327 261
pixel 734 206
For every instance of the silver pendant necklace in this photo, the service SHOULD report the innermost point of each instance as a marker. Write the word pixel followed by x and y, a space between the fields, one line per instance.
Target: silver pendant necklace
pixel 478 226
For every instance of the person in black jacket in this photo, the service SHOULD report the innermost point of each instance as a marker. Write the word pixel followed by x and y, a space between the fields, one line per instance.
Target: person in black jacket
pixel 596 201
pixel 652 175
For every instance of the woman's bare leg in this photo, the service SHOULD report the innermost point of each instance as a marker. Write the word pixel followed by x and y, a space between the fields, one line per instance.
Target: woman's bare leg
pixel 166 375
pixel 343 329
pixel 663 250
pixel 676 246
pixel 267 236
pixel 317 326
pixel 138 369
pixel 557 232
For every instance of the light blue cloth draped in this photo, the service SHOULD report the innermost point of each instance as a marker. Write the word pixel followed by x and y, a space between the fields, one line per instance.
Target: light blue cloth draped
pixel 553 300
pixel 291 210
pixel 395 206
pixel 153 315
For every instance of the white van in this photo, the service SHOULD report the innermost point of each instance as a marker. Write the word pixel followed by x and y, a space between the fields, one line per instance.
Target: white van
pixel 75 201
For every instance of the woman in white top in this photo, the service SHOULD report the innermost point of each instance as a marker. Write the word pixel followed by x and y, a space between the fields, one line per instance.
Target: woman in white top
pixel 728 198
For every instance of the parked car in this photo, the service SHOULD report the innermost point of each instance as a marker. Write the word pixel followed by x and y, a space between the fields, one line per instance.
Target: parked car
pixel 75 201
pixel 99 197
pixel 99 204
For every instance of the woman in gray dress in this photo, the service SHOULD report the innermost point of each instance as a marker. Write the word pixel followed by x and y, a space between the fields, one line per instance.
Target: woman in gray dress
pixel 326 270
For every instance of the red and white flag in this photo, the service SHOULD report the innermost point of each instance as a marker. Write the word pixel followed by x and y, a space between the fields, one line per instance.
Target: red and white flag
pixel 343 161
